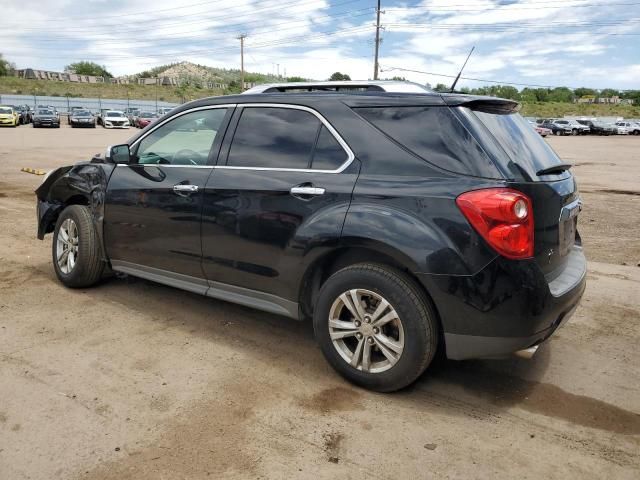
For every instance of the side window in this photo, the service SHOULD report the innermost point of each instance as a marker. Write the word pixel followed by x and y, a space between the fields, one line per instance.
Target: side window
pixel 329 154
pixel 185 140
pixel 274 137
pixel 434 134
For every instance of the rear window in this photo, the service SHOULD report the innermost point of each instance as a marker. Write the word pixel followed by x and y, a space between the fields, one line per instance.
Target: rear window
pixel 524 148
pixel 434 134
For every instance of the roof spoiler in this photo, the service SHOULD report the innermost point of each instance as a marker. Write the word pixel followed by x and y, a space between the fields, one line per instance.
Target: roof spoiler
pixel 499 106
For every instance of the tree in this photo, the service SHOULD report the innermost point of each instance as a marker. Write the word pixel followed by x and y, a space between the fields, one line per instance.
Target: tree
pixel 609 92
pixel 561 94
pixel 296 79
pixel 441 87
pixel 337 76
pixel 89 68
pixel 585 92
pixel 6 68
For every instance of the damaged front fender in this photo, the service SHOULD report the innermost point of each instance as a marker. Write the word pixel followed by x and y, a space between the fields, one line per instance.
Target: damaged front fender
pixel 82 184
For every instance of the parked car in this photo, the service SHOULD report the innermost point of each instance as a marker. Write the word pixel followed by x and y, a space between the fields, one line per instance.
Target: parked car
pixel 115 119
pixel 399 225
pixel 619 129
pixel 8 116
pixel 26 114
pixel 45 117
pixel 131 113
pixel 598 128
pixel 72 110
pixel 632 127
pixel 100 115
pixel 145 118
pixel 557 128
pixel 82 118
pixel 19 113
pixel 543 132
pixel 576 128
pixel 164 110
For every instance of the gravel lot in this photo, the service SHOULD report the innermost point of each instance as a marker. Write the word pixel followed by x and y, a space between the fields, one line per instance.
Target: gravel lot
pixel 132 380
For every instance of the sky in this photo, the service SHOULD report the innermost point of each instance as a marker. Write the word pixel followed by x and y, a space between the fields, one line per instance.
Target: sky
pixel 574 43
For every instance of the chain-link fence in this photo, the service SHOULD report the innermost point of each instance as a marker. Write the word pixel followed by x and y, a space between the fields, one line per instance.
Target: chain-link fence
pixel 64 104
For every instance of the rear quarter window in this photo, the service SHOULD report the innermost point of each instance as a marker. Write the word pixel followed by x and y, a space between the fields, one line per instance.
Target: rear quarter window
pixel 525 149
pixel 434 134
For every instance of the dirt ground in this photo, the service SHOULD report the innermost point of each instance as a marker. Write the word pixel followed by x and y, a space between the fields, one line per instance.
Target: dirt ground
pixel 132 380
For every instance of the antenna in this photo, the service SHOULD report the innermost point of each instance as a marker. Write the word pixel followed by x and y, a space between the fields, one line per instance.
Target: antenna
pixel 453 86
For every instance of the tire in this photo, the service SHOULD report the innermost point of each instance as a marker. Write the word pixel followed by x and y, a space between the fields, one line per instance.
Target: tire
pixel 86 266
pixel 414 330
pixel 558 133
pixel 574 132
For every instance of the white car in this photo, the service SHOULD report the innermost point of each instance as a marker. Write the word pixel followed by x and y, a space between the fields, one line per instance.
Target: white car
pixel 632 127
pixel 115 119
pixel 620 129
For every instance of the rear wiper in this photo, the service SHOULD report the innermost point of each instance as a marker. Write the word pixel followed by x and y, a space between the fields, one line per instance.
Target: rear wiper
pixel 561 167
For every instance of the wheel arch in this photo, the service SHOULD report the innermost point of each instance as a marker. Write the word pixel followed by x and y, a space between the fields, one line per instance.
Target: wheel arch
pixel 352 253
pixel 82 184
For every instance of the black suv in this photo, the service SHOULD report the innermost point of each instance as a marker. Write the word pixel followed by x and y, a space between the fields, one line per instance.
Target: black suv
pixel 400 223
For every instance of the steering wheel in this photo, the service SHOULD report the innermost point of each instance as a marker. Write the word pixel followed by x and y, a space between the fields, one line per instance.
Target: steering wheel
pixel 186 156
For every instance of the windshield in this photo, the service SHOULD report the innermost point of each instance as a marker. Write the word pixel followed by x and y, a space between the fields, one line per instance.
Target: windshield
pixel 147 115
pixel 525 150
pixel 81 113
pixel 45 112
pixel 114 114
pixel 5 111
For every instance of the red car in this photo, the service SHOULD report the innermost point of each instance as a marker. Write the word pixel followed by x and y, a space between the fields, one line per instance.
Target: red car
pixel 541 130
pixel 145 118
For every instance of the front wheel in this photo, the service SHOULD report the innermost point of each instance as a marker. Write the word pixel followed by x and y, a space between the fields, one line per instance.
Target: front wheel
pixel 375 327
pixel 76 251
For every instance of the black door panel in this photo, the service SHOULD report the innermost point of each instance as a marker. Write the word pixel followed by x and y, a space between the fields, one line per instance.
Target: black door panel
pixel 258 235
pixel 147 222
pixel 153 205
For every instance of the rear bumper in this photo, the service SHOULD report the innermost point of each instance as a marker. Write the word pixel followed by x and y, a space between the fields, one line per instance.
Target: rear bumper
pixel 508 306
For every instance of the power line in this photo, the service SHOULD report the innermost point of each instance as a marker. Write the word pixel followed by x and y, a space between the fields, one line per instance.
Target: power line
pixel 506 7
pixel 146 24
pixel 231 28
pixel 284 41
pixel 390 69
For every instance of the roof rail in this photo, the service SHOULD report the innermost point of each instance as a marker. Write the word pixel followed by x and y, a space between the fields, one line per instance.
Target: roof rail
pixel 350 86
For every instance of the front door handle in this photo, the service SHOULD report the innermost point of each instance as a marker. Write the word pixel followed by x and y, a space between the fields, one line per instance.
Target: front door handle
pixel 185 189
pixel 306 190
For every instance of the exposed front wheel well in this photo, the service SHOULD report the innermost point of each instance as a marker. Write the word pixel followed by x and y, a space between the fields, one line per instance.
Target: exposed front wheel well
pixel 52 217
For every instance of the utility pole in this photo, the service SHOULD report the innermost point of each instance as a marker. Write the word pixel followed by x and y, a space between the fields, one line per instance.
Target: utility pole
pixel 241 37
pixel 375 64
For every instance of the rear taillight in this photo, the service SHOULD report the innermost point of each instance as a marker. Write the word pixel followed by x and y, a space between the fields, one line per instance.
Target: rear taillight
pixel 503 217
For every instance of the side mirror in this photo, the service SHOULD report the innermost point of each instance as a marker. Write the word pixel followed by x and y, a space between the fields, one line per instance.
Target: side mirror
pixel 118 154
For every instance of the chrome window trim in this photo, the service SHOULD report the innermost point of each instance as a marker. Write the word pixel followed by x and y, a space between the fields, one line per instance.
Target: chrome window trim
pixel 350 156
pixel 167 120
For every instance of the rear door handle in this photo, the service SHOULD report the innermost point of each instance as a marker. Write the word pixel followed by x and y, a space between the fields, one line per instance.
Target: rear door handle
pixel 307 191
pixel 182 188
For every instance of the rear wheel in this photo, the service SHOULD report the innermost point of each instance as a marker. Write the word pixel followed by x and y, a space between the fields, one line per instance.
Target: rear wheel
pixel 375 327
pixel 574 131
pixel 76 252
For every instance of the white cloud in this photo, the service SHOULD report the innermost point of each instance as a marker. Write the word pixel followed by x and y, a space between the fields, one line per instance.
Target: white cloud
pixel 519 41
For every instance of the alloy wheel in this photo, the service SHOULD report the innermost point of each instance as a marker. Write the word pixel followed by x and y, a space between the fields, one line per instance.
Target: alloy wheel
pixel 366 330
pixel 67 246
